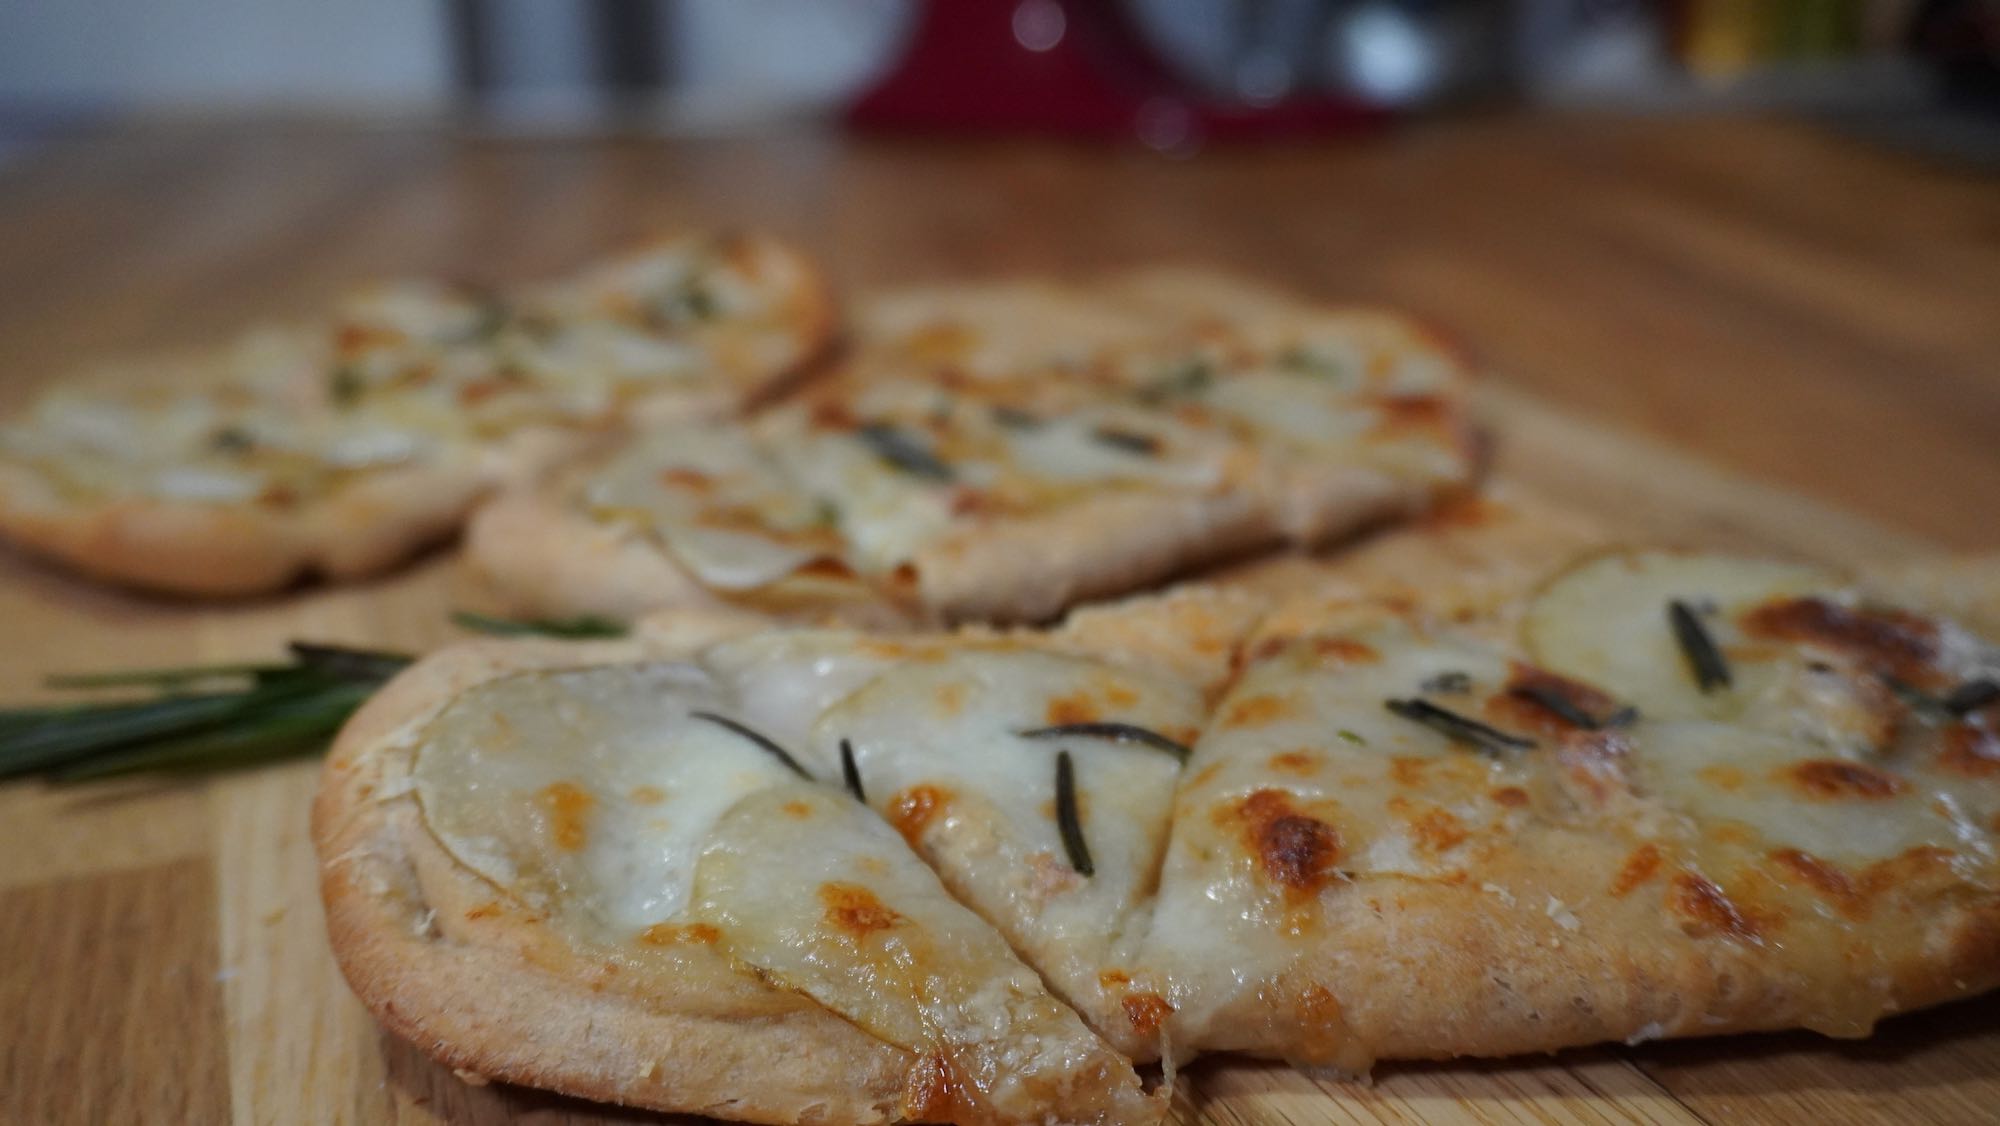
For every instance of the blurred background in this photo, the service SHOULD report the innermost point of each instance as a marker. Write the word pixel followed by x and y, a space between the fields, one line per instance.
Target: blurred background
pixel 1174 75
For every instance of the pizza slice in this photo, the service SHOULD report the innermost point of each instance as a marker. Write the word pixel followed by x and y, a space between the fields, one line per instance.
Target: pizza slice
pixel 341 448
pixel 953 473
pixel 1667 795
pixel 586 869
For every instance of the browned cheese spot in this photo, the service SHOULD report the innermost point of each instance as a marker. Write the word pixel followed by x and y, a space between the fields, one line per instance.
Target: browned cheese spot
pixel 1256 711
pixel 1889 642
pixel 1300 762
pixel 831 414
pixel 668 934
pixel 1293 849
pixel 1146 1012
pixel 1436 830
pixel 1641 866
pixel 1344 651
pixel 1822 876
pixel 1414 414
pixel 1835 779
pixel 854 909
pixel 1709 909
pixel 950 698
pixel 1408 770
pixel 1077 707
pixel 912 810
pixel 1970 749
pixel 568 809
pixel 684 477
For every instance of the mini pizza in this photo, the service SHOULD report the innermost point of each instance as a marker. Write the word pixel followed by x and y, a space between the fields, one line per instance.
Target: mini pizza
pixel 340 448
pixel 961 466
pixel 784 874
pixel 646 872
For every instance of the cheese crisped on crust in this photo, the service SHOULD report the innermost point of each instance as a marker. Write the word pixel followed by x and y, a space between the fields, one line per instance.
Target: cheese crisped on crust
pixel 342 447
pixel 583 869
pixel 1418 834
pixel 1003 453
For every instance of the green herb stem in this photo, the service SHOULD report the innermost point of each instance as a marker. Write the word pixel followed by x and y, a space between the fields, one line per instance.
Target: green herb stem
pixel 584 627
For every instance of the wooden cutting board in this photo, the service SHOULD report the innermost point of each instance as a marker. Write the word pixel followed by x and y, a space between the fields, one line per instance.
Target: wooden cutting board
pixel 165 962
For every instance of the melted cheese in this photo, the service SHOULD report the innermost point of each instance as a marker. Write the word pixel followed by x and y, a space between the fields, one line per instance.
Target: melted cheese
pixel 938 748
pixel 886 515
pixel 679 475
pixel 812 889
pixel 595 796
pixel 589 792
pixel 785 680
pixel 1785 793
pixel 1606 622
pixel 1297 409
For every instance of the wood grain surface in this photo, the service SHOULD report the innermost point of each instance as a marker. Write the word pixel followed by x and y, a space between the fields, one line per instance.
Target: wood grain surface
pixel 1744 333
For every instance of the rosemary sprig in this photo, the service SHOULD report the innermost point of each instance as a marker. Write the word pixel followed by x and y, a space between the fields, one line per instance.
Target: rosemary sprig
pixel 757 737
pixel 1067 821
pixel 201 717
pixel 287 728
pixel 198 719
pixel 1115 732
pixel 850 772
pixel 167 678
pixel 1459 729
pixel 578 628
pixel 904 452
pixel 1704 659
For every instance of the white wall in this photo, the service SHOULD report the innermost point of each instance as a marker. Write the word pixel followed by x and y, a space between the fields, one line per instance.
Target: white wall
pixel 224 53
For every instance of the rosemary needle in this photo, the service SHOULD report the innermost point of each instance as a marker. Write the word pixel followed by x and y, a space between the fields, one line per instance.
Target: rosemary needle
pixel 578 628
pixel 1115 732
pixel 1705 660
pixel 1068 822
